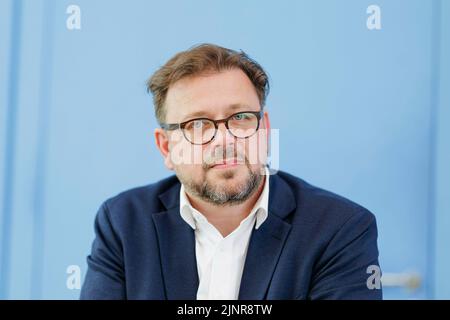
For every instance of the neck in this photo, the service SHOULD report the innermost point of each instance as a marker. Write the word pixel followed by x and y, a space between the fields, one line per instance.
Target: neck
pixel 228 217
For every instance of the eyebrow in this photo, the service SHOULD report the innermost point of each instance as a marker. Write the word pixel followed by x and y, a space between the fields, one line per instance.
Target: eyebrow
pixel 197 114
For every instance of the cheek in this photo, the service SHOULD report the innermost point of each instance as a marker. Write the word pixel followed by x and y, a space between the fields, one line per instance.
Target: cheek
pixel 256 148
pixel 190 160
pixel 190 172
pixel 183 154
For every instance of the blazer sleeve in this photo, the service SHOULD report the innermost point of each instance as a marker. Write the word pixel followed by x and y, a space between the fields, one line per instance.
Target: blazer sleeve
pixel 105 278
pixel 348 267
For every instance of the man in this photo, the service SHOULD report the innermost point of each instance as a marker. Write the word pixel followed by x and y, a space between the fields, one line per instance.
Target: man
pixel 223 227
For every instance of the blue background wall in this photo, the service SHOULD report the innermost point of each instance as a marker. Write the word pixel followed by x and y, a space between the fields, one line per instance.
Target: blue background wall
pixel 363 113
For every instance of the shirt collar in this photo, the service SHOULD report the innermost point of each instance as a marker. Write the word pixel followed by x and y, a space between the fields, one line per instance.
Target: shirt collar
pixel 190 214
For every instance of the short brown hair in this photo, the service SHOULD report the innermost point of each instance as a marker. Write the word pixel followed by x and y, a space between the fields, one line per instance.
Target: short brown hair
pixel 201 59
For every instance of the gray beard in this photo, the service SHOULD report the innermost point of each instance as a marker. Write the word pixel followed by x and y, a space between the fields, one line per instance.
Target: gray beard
pixel 209 193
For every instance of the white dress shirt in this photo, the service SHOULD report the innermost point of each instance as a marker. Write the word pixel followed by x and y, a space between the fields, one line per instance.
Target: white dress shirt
pixel 220 260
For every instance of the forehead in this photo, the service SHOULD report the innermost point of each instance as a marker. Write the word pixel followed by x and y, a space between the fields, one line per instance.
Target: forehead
pixel 214 95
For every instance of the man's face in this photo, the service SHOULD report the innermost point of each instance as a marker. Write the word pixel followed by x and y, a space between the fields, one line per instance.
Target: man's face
pixel 226 170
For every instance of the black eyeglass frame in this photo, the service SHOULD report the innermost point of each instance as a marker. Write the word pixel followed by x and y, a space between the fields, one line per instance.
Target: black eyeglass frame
pixel 182 125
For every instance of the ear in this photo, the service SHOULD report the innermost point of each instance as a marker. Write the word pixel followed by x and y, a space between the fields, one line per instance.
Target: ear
pixel 266 122
pixel 162 142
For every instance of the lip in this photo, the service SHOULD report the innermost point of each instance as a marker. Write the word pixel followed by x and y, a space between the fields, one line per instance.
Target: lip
pixel 228 163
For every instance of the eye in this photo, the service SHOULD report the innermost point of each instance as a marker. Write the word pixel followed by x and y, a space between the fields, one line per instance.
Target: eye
pixel 200 124
pixel 240 116
pixel 197 124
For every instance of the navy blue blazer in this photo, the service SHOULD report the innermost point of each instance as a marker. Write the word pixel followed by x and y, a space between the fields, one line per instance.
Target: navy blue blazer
pixel 313 245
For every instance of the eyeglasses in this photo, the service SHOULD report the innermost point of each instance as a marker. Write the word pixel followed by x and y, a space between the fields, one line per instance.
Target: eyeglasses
pixel 203 130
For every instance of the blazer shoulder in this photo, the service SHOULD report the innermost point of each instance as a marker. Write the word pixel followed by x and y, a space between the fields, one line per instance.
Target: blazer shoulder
pixel 318 203
pixel 145 197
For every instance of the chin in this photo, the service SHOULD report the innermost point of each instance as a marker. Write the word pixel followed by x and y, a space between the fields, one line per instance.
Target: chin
pixel 229 178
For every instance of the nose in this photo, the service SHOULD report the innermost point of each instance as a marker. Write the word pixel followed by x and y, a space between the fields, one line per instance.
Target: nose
pixel 223 137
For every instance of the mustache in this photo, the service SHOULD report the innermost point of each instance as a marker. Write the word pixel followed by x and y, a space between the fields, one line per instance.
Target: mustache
pixel 220 154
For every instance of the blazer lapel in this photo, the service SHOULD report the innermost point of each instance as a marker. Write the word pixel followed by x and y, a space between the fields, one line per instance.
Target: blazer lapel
pixel 267 242
pixel 177 249
pixel 177 245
